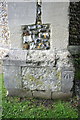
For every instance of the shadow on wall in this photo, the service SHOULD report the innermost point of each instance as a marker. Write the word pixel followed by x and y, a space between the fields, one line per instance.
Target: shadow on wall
pixel 74 42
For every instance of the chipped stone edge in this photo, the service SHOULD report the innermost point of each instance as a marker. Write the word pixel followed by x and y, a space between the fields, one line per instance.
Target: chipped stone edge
pixel 39 94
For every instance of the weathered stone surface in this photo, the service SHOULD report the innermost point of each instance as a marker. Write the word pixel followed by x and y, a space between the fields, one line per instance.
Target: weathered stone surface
pixel 39 74
pixel 53 12
pixel 8 62
pixel 4 28
pixel 3 52
pixel 44 78
pixel 12 76
pixel 64 60
pixel 20 93
pixel 17 54
pixel 32 55
pixel 61 95
pixel 67 81
pixel 42 94
pixel 74 49
pixel 40 71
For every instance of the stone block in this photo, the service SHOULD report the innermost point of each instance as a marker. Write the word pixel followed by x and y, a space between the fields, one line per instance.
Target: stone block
pixel 42 94
pixel 42 78
pixel 74 49
pixel 20 54
pixel 8 62
pixel 12 78
pixel 20 93
pixel 67 81
pixel 61 95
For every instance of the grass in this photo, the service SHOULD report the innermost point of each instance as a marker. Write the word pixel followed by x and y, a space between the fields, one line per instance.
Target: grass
pixel 13 108
pixel 34 108
pixel 0 95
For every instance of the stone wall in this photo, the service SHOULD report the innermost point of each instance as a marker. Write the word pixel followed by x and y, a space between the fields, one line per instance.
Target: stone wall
pixel 39 73
pixel 43 75
pixel 4 30
pixel 74 25
pixel 54 13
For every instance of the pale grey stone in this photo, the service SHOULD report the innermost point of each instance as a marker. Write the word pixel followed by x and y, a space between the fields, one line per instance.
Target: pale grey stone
pixel 3 52
pixel 61 95
pixel 67 80
pixel 20 93
pixel 42 94
pixel 34 76
pixel 54 13
pixel 12 77
pixel 43 78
